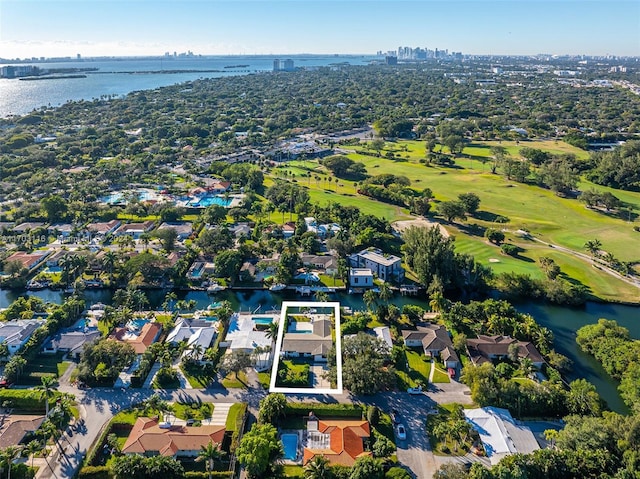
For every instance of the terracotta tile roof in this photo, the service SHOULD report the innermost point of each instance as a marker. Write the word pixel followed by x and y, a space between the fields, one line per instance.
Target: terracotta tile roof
pixel 147 436
pixel 346 441
pixel 147 336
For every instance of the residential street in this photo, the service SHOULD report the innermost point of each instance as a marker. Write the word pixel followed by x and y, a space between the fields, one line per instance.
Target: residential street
pixel 98 405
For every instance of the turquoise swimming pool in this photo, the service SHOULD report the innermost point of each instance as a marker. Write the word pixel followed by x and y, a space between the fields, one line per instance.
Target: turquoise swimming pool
pixel 263 320
pixel 210 200
pixel 290 443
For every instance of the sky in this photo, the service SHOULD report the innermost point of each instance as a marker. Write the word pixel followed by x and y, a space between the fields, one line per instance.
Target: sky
pixel 49 28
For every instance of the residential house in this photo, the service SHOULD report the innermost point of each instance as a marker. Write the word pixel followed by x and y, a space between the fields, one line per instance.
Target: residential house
pixel 308 339
pixel 217 186
pixel 134 230
pixel 17 332
pixel 55 257
pixel 182 229
pixel 384 333
pixel 340 441
pixel 327 263
pixel 71 342
pixel 489 348
pixel 138 337
pixel 243 335
pixel 288 229
pixel 149 437
pixel 385 266
pixel 241 229
pixel 360 278
pixel 248 272
pixel 434 341
pixel 500 434
pixel 23 228
pixel 322 231
pixel 102 229
pixel 15 427
pixel 62 230
pixel 196 332
pixel 28 260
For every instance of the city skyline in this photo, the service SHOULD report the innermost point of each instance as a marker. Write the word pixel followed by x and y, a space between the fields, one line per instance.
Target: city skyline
pixel 36 28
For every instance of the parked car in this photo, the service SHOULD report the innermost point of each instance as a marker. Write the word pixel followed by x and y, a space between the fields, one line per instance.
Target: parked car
pixel 4 383
pixel 401 432
pixel 452 373
pixel 417 390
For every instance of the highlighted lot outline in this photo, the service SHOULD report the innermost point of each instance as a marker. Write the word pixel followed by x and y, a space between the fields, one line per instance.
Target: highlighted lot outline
pixel 277 356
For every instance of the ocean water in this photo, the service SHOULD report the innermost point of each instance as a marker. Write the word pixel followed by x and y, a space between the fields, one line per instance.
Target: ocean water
pixel 121 76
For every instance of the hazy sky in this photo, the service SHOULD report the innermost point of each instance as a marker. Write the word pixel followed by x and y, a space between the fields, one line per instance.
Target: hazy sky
pixel 152 27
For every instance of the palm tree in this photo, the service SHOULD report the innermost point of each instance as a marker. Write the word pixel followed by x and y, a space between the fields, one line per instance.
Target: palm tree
pixel 369 298
pixel 47 388
pixel 109 263
pixel 385 292
pixel 593 246
pixel 321 296
pixel 32 448
pixel 272 332
pixel 317 468
pixel 210 453
pixel 10 454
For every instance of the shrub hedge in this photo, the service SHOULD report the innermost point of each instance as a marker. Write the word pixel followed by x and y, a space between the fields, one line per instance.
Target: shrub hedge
pixel 320 409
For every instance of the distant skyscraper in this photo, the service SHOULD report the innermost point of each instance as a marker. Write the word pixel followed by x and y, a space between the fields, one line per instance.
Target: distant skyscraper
pixel 389 60
pixel 288 65
pixel 276 65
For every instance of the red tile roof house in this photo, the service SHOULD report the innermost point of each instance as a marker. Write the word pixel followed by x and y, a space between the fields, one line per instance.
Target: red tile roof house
pixel 135 229
pixel 141 340
pixel 487 348
pixel 150 438
pixel 28 260
pixel 434 341
pixel 340 441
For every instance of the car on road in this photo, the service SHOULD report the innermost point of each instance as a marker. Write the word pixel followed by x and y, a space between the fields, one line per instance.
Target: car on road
pixel 417 390
pixel 394 415
pixel 401 432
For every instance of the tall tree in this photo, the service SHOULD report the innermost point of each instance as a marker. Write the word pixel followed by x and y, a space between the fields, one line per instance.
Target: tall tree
pixel 211 453
pixel 260 451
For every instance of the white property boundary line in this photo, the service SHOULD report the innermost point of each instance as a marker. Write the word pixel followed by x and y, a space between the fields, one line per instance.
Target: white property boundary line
pixel 274 368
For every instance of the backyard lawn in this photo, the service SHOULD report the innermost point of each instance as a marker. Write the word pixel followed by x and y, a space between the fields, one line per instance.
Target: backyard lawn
pixel 418 370
pixel 43 365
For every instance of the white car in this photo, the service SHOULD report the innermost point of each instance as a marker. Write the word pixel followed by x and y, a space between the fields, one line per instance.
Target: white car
pixel 401 432
pixel 417 390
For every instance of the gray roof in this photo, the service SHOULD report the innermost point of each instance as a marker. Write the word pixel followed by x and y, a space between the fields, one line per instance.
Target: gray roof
pixel 71 340
pixel 14 333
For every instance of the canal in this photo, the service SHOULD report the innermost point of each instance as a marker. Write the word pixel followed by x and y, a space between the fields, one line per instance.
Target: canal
pixel 563 321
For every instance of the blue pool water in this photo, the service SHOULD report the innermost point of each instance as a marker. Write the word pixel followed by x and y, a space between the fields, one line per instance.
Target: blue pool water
pixel 290 443
pixel 210 200
pixel 263 320
pixel 138 323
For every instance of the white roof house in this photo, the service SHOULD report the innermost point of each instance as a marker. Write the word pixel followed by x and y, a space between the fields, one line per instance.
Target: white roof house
pixel 500 434
pixel 243 336
pixel 195 332
pixel 16 333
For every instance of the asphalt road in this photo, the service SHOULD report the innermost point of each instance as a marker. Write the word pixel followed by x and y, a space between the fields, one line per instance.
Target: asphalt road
pixel 98 405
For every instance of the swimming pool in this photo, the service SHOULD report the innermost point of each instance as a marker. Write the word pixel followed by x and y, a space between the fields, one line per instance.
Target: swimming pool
pixel 290 443
pixel 263 320
pixel 137 323
pixel 210 200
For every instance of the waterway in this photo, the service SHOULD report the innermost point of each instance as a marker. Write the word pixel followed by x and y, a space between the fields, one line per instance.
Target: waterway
pixel 117 77
pixel 563 321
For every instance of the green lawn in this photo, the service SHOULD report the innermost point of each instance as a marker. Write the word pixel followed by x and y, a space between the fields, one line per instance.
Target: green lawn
pixel 239 382
pixel 193 410
pixel 43 365
pixel 234 416
pixel 419 366
pixel 293 471
pixel 440 376
pixel 198 377
pixel 265 379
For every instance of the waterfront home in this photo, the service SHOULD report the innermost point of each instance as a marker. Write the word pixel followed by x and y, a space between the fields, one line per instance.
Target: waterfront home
pixel 308 339
pixel 387 267
pixel 496 348
pixel 182 229
pixel 243 333
pixel 149 437
pixel 327 262
pixel 360 278
pixel 138 335
pixel 340 441
pixel 28 260
pixel 384 333
pixel 71 342
pixel 500 434
pixel 134 230
pixel 198 333
pixel 322 231
pixel 435 341
pixel 17 332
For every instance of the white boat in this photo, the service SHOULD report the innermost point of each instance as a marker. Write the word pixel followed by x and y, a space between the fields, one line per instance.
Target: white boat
pixel 277 287
pixel 215 287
